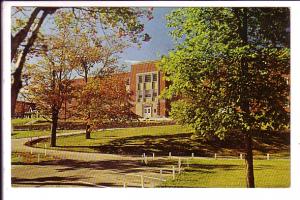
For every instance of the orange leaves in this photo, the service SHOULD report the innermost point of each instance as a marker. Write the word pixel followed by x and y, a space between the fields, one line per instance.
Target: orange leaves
pixel 104 99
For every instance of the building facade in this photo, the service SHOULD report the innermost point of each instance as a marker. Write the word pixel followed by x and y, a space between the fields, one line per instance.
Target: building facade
pixel 146 83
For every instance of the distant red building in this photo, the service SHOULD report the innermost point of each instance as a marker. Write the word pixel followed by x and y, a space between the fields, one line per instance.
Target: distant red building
pixel 25 110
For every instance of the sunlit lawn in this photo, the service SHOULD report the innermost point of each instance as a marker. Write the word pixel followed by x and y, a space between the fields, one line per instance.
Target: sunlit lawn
pixel 22 121
pixel 231 173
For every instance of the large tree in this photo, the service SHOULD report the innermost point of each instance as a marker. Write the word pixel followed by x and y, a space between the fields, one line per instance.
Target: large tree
pixel 229 70
pixel 50 83
pixel 26 28
pixel 92 55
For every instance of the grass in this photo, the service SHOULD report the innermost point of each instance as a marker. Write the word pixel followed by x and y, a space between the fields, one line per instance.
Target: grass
pixel 231 173
pixel 106 138
pixel 18 158
pixel 35 133
pixel 23 121
pixel 177 139
pixel 172 138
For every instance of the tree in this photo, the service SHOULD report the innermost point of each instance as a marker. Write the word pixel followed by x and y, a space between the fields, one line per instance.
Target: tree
pixel 229 71
pixel 124 21
pixel 106 99
pixel 51 79
pixel 20 59
pixel 94 56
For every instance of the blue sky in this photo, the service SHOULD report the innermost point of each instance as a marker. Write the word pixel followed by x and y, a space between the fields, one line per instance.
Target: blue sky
pixel 159 44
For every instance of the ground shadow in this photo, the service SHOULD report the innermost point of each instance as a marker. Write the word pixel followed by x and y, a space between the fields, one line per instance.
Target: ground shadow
pixel 183 145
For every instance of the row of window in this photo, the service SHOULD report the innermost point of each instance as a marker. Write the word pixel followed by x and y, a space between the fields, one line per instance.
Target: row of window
pixel 147 86
pixel 148 93
pixel 148 78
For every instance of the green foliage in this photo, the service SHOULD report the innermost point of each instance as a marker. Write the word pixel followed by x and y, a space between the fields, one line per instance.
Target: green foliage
pixel 207 74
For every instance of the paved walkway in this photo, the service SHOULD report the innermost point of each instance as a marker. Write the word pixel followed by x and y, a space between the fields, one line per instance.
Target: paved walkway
pixel 81 169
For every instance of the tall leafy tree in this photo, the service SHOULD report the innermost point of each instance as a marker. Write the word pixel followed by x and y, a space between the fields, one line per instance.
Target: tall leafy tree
pixel 229 71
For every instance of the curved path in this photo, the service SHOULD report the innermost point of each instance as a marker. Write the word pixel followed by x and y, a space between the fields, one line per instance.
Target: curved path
pixel 80 169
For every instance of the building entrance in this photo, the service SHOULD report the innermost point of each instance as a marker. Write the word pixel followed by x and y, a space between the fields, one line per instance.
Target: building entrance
pixel 147 112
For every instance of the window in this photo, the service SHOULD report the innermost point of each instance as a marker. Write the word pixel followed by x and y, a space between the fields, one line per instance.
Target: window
pixel 154 110
pixel 148 78
pixel 127 81
pixel 140 79
pixel 155 94
pixel 154 84
pixel 147 93
pixel 154 76
pixel 139 86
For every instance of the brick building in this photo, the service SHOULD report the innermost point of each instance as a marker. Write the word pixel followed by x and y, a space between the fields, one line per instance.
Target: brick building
pixel 25 110
pixel 146 84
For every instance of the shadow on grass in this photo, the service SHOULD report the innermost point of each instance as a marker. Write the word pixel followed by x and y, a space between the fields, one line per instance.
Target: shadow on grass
pixel 183 145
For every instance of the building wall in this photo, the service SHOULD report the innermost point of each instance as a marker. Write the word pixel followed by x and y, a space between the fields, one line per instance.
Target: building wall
pixel 159 107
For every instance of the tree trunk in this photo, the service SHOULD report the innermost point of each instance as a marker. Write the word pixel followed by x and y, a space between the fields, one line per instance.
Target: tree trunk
pixel 17 75
pixel 15 88
pixel 54 127
pixel 243 31
pixel 87 126
pixel 21 35
pixel 249 161
pixel 88 131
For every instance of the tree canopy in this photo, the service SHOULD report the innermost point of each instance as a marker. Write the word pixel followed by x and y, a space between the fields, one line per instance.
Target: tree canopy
pixel 229 70
pixel 99 24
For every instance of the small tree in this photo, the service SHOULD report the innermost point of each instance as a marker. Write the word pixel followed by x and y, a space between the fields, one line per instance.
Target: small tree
pixel 107 100
pixel 230 69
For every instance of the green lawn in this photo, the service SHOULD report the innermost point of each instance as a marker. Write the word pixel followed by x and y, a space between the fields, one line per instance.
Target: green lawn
pixel 23 121
pixel 231 173
pixel 172 138
pixel 177 139
pixel 35 133
pixel 110 141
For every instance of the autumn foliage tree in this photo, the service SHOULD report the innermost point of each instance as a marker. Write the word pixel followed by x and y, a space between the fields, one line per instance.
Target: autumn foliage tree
pixel 51 78
pixel 230 70
pixel 124 22
pixel 106 99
